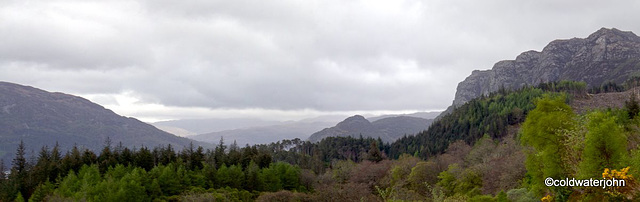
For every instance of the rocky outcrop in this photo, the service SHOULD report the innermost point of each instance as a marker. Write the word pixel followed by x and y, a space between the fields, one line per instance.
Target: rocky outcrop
pixel 606 55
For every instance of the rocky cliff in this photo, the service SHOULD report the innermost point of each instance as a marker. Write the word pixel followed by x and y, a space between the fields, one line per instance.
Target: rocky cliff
pixel 606 55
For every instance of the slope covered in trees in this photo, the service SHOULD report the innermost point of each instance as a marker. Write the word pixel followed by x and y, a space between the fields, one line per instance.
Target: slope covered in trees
pixel 487 161
pixel 491 115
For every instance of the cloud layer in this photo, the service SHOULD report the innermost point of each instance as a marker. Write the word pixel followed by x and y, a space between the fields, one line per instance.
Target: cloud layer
pixel 286 56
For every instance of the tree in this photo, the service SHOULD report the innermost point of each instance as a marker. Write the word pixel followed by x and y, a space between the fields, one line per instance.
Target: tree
pixel 374 153
pixel 219 154
pixel 605 145
pixel 543 131
pixel 252 175
pixel 270 179
pixel 71 161
pixel 20 171
pixel 144 159
pixel 632 106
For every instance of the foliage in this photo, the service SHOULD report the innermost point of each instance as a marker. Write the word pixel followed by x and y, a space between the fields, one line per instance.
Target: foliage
pixel 471 154
pixel 485 115
pixel 605 145
pixel 543 131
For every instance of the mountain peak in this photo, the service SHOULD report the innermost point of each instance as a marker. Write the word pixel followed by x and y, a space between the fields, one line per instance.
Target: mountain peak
pixel 355 118
pixel 356 121
pixel 388 129
pixel 613 33
pixel 606 55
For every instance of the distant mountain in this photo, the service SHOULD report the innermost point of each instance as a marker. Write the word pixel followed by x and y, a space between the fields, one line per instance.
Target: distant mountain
pixel 264 134
pixel 388 129
pixel 424 115
pixel 185 127
pixel 607 55
pixel 39 118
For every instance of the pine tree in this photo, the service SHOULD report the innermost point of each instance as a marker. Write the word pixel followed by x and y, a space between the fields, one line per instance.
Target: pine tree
pixel 374 153
pixel 632 106
pixel 19 171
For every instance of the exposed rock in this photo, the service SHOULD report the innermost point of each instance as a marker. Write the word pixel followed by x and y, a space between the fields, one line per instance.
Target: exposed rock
pixel 606 55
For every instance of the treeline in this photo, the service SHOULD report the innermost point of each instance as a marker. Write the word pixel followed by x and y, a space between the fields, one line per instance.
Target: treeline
pixel 611 86
pixel 158 173
pixel 466 155
pixel 490 115
pixel 163 172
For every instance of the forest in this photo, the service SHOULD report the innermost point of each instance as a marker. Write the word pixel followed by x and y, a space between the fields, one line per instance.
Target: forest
pixel 499 147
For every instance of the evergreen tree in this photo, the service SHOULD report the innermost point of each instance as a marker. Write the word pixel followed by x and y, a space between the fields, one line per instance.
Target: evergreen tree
pixel 144 159
pixel 374 152
pixel 219 154
pixel 632 106
pixel 20 171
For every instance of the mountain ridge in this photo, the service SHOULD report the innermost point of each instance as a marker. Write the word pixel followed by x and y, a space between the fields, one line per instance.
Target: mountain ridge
pixel 388 129
pixel 40 118
pixel 607 55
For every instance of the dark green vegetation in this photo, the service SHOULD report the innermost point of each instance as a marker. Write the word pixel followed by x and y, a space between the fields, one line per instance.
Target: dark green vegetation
pixel 491 115
pixel 477 154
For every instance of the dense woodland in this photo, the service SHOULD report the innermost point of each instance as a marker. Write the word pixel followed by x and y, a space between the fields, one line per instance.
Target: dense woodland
pixel 498 147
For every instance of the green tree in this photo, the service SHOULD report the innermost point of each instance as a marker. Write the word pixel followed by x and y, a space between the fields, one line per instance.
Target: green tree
pixel 252 175
pixel 270 179
pixel 42 191
pixel 169 180
pixel 374 153
pixel 20 171
pixel 543 130
pixel 632 106
pixel 605 145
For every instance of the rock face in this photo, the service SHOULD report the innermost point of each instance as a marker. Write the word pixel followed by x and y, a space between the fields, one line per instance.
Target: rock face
pixel 41 118
pixel 388 129
pixel 606 55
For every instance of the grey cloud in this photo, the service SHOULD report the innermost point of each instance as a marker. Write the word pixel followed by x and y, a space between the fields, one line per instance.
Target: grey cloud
pixel 287 55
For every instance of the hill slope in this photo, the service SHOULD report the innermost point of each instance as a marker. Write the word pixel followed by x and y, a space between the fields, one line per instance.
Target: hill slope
pixel 39 118
pixel 388 129
pixel 263 134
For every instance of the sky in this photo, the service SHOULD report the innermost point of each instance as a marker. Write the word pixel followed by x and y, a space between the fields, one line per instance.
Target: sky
pixel 280 59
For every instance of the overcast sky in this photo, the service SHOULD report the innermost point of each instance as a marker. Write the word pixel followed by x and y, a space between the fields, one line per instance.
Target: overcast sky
pixel 280 59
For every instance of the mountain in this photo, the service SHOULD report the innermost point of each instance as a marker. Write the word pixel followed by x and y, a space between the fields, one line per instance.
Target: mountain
pixel 388 129
pixel 264 134
pixel 608 55
pixel 39 118
pixel 200 126
pixel 424 115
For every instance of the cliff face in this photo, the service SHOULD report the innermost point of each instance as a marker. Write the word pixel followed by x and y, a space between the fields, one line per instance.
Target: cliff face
pixel 606 55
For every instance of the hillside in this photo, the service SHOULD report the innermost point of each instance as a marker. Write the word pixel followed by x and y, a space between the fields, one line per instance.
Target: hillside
pixel 388 129
pixel 40 118
pixel 201 126
pixel 263 134
pixel 607 55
